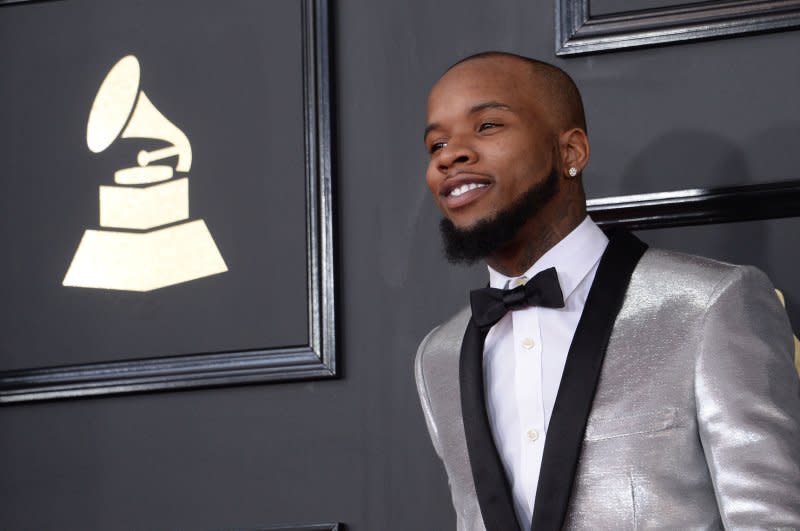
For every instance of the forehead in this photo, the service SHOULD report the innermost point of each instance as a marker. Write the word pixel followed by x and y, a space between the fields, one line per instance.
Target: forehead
pixel 505 81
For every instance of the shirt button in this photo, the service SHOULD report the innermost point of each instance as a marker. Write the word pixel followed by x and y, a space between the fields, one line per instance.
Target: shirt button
pixel 528 343
pixel 532 435
pixel 517 282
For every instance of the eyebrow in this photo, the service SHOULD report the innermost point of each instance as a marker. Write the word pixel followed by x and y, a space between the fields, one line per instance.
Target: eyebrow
pixel 472 110
pixel 489 105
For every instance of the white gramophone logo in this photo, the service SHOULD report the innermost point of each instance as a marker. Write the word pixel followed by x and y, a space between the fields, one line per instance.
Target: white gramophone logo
pixel 158 245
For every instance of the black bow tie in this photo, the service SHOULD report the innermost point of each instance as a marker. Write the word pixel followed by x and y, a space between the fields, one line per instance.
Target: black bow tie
pixel 489 305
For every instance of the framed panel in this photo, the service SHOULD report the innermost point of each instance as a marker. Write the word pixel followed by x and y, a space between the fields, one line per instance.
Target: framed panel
pixel 258 120
pixel 697 207
pixel 579 31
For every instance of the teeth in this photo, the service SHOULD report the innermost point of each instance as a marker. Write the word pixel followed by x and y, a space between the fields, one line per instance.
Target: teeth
pixel 464 188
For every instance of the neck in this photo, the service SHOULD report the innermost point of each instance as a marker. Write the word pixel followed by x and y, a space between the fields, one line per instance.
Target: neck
pixel 535 238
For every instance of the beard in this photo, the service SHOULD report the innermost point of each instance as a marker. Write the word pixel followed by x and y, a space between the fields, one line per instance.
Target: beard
pixel 469 245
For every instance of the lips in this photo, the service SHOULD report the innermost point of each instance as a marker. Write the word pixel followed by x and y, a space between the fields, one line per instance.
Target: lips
pixel 462 189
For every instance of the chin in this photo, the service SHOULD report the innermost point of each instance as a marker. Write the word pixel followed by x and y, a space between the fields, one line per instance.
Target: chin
pixel 469 222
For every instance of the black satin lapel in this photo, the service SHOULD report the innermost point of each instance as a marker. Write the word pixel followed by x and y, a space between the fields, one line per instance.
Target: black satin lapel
pixel 579 381
pixel 491 484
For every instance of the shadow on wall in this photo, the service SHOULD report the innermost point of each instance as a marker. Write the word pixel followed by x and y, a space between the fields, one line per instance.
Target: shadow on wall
pixel 773 152
pixel 698 159
pixel 684 159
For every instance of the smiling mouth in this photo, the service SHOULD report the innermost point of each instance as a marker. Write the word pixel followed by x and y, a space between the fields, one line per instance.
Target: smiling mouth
pixel 464 188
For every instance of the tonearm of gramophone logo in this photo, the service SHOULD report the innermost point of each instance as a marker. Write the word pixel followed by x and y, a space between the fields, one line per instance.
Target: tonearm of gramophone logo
pixel 146 240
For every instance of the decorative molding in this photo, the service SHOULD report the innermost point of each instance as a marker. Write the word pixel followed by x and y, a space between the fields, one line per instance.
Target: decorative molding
pixel 577 32
pixel 317 359
pixel 697 207
pixel 4 2
pixel 311 527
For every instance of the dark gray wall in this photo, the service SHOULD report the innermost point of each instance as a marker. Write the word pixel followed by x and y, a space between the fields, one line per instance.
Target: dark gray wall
pixel 355 450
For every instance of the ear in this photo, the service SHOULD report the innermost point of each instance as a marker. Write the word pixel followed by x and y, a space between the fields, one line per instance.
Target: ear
pixel 574 146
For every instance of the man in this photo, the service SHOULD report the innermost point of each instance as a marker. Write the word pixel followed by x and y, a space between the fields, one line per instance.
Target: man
pixel 597 384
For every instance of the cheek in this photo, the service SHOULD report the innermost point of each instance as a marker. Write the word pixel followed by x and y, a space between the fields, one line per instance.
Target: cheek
pixel 432 178
pixel 520 164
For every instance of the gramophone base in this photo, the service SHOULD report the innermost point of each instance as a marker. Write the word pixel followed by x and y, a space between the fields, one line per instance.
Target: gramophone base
pixel 144 261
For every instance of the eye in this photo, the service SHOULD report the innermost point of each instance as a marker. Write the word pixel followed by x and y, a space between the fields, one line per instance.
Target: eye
pixel 488 125
pixel 436 146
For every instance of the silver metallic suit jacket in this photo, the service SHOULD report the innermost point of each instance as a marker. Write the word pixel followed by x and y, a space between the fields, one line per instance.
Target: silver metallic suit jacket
pixel 679 407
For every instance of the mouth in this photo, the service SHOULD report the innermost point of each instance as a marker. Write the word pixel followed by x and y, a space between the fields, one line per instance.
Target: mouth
pixel 463 189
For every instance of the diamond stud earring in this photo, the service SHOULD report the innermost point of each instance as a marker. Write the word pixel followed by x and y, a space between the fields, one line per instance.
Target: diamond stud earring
pixel 573 171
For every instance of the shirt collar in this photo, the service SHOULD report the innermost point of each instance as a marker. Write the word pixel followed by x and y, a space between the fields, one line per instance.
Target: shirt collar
pixel 573 257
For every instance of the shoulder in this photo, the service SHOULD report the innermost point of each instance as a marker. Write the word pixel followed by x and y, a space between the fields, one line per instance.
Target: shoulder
pixel 446 337
pixel 680 291
pixel 442 344
pixel 711 292
pixel 695 276
pixel 661 261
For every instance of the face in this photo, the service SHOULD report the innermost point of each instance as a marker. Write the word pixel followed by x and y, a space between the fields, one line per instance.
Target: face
pixel 489 140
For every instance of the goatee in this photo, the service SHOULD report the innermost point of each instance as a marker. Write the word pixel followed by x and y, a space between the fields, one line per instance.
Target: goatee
pixel 488 235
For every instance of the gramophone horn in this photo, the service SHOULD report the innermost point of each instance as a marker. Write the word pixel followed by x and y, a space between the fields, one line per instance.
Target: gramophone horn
pixel 120 108
pixel 113 104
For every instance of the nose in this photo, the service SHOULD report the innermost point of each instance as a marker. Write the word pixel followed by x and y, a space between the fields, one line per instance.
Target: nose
pixel 455 153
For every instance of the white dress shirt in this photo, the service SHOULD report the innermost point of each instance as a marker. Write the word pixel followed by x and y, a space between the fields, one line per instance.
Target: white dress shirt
pixel 524 356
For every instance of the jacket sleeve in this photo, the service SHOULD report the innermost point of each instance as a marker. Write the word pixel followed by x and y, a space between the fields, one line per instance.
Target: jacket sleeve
pixel 422 390
pixel 748 404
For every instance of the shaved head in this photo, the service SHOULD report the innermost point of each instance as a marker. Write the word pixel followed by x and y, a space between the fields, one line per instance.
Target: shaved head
pixel 552 85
